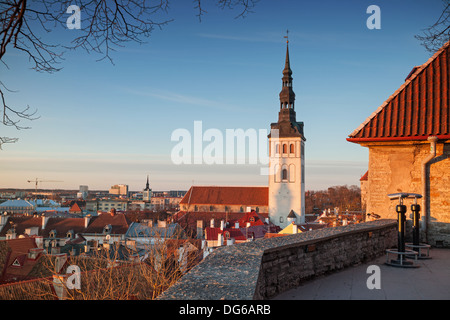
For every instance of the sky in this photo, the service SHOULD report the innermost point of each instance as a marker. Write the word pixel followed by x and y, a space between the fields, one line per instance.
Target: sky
pixel 104 123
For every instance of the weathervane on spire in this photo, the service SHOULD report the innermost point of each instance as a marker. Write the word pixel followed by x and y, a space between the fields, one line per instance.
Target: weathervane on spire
pixel 287 36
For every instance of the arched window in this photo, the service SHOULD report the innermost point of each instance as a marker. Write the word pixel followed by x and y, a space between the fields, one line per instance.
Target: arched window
pixel 291 148
pixel 284 148
pixel 227 234
pixel 284 174
pixel 277 148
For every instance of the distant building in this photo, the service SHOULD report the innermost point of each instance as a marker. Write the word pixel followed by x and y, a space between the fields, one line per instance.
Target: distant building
pixel 147 192
pixel 83 193
pixel 18 206
pixel 408 138
pixel 225 199
pixel 286 158
pixel 119 189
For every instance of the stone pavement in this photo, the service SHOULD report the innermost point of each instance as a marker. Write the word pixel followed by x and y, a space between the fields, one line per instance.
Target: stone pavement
pixel 431 281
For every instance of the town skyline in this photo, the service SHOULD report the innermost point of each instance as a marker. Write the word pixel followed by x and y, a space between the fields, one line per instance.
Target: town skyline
pixel 102 124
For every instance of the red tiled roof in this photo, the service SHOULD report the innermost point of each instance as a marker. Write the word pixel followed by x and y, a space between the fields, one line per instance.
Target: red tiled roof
pixel 119 223
pixel 21 223
pixel 18 250
pixel 418 109
pixel 256 221
pixel 213 234
pixel 75 208
pixel 224 195
pixel 365 177
pixel 62 226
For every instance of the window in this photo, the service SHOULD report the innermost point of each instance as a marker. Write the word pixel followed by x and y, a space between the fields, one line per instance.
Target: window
pixel 277 149
pixel 227 235
pixel 284 148
pixel 291 148
pixel 284 174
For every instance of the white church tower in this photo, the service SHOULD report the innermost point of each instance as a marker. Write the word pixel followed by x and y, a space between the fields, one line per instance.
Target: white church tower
pixel 287 159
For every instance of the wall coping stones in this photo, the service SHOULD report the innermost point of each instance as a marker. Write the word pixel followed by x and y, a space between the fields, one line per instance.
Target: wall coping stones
pixel 231 272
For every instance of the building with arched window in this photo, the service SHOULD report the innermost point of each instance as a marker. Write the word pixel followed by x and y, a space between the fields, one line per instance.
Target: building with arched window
pixel 287 169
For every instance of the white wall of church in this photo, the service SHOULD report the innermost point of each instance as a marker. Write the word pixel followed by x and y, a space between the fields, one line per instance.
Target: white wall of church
pixel 286 180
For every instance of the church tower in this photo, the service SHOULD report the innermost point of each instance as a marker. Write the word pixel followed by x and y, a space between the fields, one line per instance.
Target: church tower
pixel 147 192
pixel 287 158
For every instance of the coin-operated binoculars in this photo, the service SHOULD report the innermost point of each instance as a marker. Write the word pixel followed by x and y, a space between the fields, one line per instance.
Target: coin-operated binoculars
pixel 416 245
pixel 401 252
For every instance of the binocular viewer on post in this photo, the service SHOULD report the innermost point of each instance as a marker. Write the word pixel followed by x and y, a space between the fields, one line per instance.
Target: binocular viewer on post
pixel 415 245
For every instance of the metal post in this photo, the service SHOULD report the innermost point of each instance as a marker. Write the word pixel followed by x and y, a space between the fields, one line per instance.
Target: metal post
pixel 415 208
pixel 401 210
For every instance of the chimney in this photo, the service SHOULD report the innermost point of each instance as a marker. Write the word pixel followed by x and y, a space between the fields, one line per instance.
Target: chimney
pixel 44 221
pixel 199 229
pixel 59 286
pixel 39 240
pixel 86 248
pixel 211 224
pixel 60 261
pixel 294 228
pixel 220 239
pixel 86 221
pixel 230 242
pixel 222 225
pixel 236 225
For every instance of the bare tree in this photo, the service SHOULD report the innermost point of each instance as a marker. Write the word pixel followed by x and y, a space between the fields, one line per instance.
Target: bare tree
pixel 436 35
pixel 106 25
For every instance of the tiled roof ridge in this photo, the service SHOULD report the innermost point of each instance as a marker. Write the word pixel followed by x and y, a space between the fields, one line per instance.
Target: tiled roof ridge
pixel 415 74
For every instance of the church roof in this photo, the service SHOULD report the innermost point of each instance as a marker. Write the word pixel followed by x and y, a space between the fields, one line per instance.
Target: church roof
pixel 224 195
pixel 418 109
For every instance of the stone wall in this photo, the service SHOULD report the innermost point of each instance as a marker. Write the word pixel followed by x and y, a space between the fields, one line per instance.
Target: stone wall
pixel 397 167
pixel 264 268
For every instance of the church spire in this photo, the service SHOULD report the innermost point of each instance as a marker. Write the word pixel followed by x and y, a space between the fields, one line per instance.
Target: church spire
pixel 147 186
pixel 287 95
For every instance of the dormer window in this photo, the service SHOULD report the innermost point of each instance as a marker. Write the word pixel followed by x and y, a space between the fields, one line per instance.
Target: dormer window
pixel 52 234
pixel 107 229
pixel 69 234
pixel 227 234
pixel 252 219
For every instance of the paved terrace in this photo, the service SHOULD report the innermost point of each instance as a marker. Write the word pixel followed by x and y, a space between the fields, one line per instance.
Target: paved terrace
pixel 430 281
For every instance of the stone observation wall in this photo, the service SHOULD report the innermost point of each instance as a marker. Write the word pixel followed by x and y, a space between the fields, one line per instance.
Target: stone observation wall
pixel 263 268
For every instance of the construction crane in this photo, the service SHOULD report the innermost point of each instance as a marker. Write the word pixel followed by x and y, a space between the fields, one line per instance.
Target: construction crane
pixel 36 181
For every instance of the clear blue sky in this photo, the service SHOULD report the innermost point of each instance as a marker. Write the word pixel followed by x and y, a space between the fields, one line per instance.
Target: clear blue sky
pixel 102 124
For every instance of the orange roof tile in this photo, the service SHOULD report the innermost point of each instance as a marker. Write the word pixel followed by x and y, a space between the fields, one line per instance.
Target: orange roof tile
pixel 418 109
pixel 224 195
